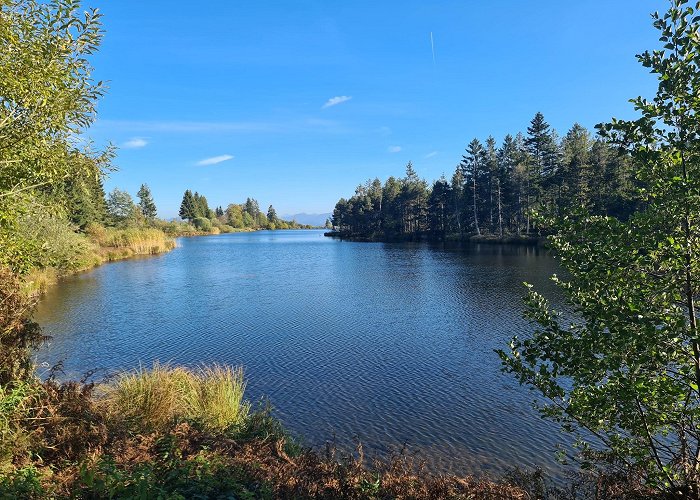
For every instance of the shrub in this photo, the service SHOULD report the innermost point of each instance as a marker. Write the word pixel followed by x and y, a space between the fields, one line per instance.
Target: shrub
pixel 175 228
pixel 54 240
pixel 18 335
pixel 202 224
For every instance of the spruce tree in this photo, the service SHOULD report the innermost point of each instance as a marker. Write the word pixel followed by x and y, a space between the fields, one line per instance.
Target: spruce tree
pixel 271 215
pixel 187 207
pixel 542 165
pixel 146 203
pixel 490 191
pixel 575 175
pixel 473 165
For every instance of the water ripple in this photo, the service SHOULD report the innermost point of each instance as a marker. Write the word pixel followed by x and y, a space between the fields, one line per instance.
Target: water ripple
pixel 391 344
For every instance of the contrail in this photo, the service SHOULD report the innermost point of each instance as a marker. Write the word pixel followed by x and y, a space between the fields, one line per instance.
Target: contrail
pixel 432 47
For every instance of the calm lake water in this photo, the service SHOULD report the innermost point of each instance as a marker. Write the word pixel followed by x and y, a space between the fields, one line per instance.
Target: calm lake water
pixel 386 343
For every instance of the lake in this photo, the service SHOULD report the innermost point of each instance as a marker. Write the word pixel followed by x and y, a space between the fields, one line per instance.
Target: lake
pixel 388 343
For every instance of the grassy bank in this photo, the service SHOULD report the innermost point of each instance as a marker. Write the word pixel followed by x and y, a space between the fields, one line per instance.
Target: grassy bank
pixel 115 244
pixel 75 252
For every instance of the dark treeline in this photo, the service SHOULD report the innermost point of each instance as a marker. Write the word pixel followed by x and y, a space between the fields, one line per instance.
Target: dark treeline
pixel 494 189
pixel 195 209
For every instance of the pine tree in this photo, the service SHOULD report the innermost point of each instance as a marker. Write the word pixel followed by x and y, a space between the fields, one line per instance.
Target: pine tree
pixel 413 201
pixel 272 215
pixel 438 206
pixel 575 175
pixel 491 185
pixel 543 161
pixel 146 203
pixel 457 183
pixel 187 207
pixel 252 207
pixel 473 165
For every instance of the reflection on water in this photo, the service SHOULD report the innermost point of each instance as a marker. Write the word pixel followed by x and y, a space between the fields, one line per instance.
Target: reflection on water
pixel 391 344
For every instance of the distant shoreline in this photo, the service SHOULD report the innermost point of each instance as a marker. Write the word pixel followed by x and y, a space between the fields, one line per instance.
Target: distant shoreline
pixel 536 241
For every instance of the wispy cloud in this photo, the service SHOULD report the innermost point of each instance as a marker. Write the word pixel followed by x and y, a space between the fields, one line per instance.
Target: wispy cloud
pixel 431 155
pixel 135 143
pixel 394 149
pixel 214 160
pixel 334 101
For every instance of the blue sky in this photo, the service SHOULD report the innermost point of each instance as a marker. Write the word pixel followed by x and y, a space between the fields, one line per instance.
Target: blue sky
pixel 296 103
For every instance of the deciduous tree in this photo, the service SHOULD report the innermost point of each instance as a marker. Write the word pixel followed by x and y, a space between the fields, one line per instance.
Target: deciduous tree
pixel 623 367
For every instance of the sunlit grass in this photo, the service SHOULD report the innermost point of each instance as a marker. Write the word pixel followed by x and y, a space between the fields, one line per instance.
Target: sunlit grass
pixel 216 399
pixel 39 280
pixel 140 241
pixel 150 399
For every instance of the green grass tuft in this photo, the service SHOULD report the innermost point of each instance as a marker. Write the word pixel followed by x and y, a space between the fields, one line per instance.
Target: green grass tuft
pixel 150 399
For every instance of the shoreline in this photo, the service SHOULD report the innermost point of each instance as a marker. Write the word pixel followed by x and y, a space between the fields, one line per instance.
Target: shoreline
pixel 535 241
pixel 40 279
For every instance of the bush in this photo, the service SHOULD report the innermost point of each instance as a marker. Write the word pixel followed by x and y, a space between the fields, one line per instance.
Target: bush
pixel 202 224
pixel 54 240
pixel 175 228
pixel 18 335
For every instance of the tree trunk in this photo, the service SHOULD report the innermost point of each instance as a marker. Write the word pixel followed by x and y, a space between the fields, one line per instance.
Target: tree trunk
pixel 500 213
pixel 476 218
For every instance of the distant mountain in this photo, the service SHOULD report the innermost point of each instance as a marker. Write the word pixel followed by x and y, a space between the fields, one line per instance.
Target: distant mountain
pixel 311 219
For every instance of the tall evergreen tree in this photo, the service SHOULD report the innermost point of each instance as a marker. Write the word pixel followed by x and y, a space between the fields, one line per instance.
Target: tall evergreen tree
pixel 146 203
pixel 575 176
pixel 509 157
pixel 491 182
pixel 392 212
pixel 413 202
pixel 457 184
pixel 188 210
pixel 272 215
pixel 473 166
pixel 439 206
pixel 252 207
pixel 543 161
